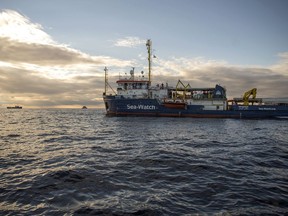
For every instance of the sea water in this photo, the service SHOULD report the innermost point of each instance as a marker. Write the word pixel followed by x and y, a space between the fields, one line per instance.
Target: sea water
pixel 80 162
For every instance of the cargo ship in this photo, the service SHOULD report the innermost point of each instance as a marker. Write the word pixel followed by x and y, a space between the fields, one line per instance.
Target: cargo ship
pixel 135 96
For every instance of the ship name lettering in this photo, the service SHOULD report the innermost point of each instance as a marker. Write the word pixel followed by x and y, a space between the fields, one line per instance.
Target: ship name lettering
pixel 141 107
pixel 267 108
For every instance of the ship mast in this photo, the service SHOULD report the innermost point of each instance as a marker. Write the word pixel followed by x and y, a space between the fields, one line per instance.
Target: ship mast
pixel 149 45
pixel 106 81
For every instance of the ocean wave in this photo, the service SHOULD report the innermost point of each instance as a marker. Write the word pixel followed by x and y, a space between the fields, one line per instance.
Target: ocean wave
pixel 57 162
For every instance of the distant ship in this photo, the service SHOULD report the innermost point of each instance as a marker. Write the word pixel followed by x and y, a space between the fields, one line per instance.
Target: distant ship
pixel 14 107
pixel 84 107
pixel 136 97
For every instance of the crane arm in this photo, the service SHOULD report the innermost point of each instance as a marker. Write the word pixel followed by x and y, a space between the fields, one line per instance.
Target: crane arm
pixel 249 93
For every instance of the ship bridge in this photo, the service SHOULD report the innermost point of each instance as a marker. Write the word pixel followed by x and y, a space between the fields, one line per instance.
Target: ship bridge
pixel 132 87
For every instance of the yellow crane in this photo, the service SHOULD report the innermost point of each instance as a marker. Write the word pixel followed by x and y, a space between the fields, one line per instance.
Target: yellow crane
pixel 182 88
pixel 249 93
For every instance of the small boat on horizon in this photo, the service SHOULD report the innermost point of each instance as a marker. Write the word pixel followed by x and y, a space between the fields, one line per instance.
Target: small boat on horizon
pixel 14 107
pixel 84 107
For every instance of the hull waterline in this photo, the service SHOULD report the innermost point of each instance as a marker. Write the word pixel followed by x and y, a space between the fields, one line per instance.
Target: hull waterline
pixel 151 108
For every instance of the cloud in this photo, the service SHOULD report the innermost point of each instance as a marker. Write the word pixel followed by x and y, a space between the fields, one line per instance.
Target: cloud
pixel 271 81
pixel 24 41
pixel 200 72
pixel 23 87
pixel 35 70
pixel 129 42
pixel 282 65
pixel 19 28
pixel 42 54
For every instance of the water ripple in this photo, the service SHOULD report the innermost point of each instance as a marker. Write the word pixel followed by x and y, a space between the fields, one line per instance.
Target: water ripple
pixel 76 162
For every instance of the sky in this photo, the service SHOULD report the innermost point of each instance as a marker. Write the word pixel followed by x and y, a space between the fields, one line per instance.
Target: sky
pixel 52 53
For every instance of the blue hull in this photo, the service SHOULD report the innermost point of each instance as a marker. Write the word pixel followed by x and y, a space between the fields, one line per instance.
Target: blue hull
pixel 119 106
